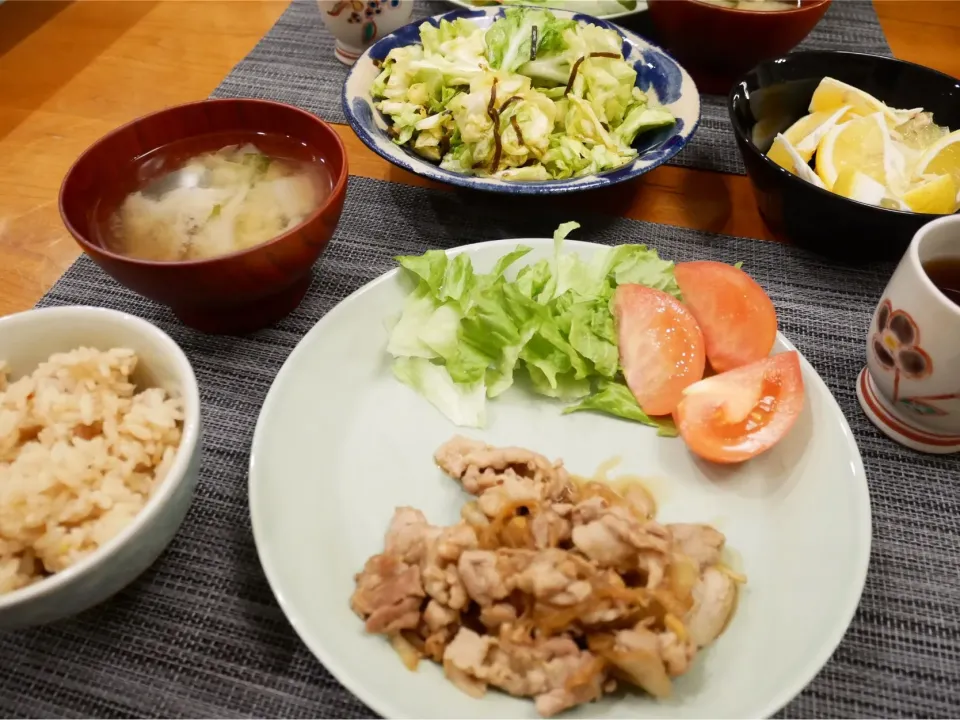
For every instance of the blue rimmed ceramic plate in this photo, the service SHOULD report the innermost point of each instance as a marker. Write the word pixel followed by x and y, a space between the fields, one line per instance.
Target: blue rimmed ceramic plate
pixel 658 74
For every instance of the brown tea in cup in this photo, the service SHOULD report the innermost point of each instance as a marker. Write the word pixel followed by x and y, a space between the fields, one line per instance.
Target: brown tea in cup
pixel 945 274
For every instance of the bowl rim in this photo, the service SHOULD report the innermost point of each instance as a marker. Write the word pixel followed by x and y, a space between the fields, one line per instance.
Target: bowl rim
pixel 583 183
pixel 619 15
pixel 789 176
pixel 336 190
pixel 809 6
pixel 189 444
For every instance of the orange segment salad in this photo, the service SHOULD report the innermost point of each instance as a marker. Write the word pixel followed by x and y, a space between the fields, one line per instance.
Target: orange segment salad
pixel 856 146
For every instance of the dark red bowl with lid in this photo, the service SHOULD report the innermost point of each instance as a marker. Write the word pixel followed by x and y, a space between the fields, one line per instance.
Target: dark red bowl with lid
pixel 234 293
pixel 717 43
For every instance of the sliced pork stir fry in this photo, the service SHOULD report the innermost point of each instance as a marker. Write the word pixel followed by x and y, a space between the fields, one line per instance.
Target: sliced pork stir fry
pixel 549 587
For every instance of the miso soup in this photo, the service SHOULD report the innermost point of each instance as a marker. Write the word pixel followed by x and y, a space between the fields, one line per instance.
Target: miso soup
pixel 756 5
pixel 203 205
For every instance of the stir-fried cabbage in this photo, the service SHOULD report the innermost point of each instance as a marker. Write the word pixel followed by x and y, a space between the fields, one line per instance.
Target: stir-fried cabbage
pixel 534 97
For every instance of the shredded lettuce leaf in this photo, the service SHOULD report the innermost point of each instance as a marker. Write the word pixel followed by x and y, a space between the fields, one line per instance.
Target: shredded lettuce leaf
pixel 616 399
pixel 464 404
pixel 531 98
pixel 464 336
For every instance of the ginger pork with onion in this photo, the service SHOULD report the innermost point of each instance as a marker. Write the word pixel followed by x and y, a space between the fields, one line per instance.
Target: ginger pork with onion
pixel 549 587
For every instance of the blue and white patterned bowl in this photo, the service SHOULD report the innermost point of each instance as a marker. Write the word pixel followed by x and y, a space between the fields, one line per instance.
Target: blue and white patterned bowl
pixel 658 74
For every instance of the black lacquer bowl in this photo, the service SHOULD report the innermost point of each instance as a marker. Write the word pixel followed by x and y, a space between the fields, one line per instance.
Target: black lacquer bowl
pixel 776 93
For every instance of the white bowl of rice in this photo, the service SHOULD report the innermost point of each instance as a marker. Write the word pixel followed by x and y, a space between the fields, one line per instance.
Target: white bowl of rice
pixel 99 453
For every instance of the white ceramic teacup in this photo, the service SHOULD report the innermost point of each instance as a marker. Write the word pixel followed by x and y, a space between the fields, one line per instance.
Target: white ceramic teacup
pixel 910 388
pixel 357 24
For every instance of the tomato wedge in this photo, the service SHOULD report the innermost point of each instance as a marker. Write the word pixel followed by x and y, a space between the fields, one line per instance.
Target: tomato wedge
pixel 661 346
pixel 738 320
pixel 736 415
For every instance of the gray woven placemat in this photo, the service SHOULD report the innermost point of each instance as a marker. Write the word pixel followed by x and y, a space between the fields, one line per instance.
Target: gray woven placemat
pixel 200 635
pixel 294 63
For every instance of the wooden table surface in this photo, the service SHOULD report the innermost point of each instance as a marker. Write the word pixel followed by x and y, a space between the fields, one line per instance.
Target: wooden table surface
pixel 72 71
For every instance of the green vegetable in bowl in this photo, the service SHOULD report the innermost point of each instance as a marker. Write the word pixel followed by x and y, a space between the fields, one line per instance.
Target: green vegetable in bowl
pixel 534 97
pixel 463 337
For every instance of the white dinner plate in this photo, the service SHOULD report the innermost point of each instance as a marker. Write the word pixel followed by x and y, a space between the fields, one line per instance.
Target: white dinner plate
pixel 340 443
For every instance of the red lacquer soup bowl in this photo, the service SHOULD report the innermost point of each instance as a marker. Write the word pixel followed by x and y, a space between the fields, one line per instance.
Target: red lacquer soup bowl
pixel 234 293
pixel 717 44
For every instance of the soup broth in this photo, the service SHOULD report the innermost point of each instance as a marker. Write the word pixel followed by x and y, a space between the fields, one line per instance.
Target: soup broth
pixel 756 5
pixel 190 205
